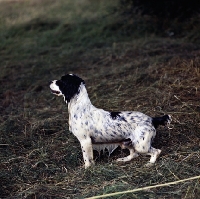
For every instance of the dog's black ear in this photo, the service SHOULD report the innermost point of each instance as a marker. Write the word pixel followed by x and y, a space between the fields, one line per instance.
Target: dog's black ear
pixel 69 85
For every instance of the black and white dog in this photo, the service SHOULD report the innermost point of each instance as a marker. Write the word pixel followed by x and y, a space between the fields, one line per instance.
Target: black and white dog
pixel 99 129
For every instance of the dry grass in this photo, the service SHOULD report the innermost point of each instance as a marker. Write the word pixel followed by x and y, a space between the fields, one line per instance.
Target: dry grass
pixel 39 157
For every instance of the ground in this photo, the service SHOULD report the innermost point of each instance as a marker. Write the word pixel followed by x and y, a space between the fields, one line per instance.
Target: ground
pixel 124 69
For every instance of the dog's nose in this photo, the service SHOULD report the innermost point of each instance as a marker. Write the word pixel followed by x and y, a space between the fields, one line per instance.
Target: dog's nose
pixel 50 82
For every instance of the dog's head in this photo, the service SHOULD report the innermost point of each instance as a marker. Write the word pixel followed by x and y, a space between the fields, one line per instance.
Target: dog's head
pixel 68 86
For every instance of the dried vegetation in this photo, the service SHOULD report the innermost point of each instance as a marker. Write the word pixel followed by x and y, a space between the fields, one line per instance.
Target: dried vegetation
pixel 39 157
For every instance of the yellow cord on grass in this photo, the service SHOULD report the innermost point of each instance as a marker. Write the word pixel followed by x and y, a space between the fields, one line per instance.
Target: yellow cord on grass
pixel 143 188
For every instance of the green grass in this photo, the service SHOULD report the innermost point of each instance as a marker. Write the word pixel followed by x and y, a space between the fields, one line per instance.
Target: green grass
pixel 126 66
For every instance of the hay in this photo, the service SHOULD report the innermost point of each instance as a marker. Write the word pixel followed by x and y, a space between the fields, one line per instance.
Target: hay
pixel 39 157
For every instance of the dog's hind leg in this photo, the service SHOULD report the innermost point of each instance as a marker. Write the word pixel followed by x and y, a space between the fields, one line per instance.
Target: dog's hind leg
pixel 132 155
pixel 154 153
pixel 86 146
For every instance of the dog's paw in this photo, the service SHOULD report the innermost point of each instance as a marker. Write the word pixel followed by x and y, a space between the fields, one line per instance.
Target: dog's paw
pixel 120 160
pixel 128 158
pixel 149 164
pixel 89 164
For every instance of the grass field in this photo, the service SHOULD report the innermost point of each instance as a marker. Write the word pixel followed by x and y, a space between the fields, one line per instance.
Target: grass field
pixel 127 66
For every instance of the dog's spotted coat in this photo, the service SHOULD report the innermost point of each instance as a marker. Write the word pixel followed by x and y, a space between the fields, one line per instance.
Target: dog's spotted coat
pixel 99 129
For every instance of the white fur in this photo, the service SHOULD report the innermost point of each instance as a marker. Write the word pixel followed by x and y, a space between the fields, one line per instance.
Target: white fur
pixel 98 129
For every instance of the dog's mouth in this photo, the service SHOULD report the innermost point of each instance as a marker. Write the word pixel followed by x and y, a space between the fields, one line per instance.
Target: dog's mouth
pixel 55 92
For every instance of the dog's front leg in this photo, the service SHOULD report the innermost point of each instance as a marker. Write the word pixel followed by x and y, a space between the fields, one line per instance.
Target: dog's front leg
pixel 86 146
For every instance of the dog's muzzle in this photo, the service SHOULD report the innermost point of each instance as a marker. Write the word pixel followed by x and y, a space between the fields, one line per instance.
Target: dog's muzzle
pixel 51 85
pixel 55 92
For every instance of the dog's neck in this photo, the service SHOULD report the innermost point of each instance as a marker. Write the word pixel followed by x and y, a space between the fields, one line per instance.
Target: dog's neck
pixel 79 100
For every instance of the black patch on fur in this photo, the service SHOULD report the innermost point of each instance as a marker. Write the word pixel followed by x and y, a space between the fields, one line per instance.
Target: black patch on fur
pixel 69 86
pixel 156 121
pixel 116 115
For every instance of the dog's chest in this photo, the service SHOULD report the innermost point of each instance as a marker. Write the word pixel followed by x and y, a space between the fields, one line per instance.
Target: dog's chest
pixel 80 121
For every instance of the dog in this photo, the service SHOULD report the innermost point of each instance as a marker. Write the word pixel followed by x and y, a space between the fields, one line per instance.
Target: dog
pixel 99 129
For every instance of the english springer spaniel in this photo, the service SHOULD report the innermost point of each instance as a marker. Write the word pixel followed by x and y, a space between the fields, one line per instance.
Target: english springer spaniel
pixel 99 129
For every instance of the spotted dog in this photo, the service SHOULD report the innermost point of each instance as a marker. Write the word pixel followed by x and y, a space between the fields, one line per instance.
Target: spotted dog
pixel 99 129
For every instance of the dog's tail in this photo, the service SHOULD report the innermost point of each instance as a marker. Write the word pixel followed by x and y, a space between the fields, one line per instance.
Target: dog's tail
pixel 164 120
